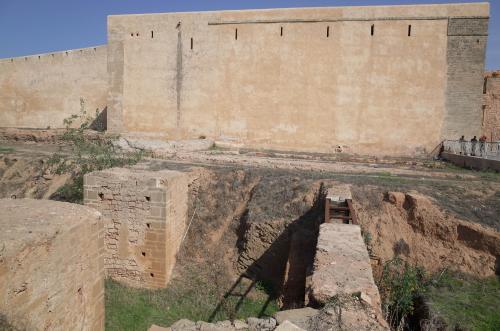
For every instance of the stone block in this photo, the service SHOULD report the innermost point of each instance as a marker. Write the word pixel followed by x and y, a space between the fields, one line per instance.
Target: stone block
pixel 42 284
pixel 141 221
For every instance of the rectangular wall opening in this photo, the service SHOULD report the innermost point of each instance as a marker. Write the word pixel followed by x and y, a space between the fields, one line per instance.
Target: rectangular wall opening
pixel 409 30
pixel 281 31
pixel 236 34
pixel 373 29
pixel 191 43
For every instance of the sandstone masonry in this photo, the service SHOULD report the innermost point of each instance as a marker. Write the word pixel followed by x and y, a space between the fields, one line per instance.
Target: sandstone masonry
pixel 145 220
pixel 491 106
pixel 51 265
pixel 390 80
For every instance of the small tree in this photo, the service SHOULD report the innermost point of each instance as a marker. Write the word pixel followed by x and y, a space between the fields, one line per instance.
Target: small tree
pixel 86 154
pixel 400 285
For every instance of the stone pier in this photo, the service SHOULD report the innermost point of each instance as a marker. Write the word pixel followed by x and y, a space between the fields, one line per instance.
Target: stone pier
pixel 145 219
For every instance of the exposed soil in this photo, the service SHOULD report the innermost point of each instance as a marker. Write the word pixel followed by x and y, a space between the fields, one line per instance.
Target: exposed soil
pixel 28 177
pixel 410 225
pixel 242 222
pixel 257 217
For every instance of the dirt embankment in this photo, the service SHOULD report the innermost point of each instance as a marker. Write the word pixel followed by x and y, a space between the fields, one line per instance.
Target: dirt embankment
pixel 242 223
pixel 410 225
pixel 28 177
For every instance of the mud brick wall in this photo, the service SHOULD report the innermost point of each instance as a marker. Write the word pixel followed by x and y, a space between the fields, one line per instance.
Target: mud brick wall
pixel 51 265
pixel 145 219
pixel 491 106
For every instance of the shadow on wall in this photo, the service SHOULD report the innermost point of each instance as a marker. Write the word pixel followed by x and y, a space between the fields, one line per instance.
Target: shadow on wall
pixel 6 326
pixel 284 267
pixel 100 123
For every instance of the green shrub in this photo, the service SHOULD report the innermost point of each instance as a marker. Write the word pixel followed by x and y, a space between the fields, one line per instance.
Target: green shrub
pixel 400 285
pixel 86 154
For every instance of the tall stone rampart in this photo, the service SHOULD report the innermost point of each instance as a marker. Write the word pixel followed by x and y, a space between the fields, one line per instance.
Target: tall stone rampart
pixel 40 91
pixel 491 106
pixel 372 80
pixel 51 266
pixel 382 80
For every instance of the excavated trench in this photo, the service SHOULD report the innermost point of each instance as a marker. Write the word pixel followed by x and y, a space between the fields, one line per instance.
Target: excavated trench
pixel 262 226
pixel 254 226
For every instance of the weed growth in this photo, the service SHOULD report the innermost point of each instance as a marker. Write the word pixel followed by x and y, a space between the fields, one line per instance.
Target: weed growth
pixel 86 155
pixel 400 285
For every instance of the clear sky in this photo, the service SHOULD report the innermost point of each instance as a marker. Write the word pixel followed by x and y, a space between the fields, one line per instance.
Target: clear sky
pixel 41 26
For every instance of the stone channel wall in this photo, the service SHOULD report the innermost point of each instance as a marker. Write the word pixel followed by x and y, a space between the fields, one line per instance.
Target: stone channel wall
pixel 145 219
pixel 51 266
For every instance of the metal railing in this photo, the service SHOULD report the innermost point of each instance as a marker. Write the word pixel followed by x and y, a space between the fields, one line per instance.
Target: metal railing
pixel 487 150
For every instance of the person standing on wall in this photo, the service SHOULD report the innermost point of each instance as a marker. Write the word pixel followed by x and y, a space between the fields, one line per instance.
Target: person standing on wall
pixel 462 145
pixel 473 146
pixel 482 145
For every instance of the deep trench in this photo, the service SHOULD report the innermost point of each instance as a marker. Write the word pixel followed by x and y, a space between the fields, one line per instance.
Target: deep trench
pixel 267 224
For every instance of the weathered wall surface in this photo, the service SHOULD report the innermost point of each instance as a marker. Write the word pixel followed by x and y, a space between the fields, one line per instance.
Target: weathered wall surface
pixel 491 106
pixel 301 79
pixel 51 265
pixel 145 219
pixel 39 91
pixel 466 53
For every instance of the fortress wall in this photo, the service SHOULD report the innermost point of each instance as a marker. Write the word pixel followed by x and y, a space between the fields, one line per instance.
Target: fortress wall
pixel 307 79
pixel 491 106
pixel 39 91
pixel 467 39
pixel 51 266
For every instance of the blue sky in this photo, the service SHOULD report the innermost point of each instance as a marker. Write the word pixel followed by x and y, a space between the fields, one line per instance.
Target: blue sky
pixel 41 26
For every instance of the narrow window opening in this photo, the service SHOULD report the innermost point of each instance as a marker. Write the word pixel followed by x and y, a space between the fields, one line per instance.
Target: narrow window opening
pixel 148 225
pixel 328 31
pixel 101 196
pixel 236 34
pixel 373 29
pixel 152 34
pixel 281 31
pixel 409 30
pixel 143 253
pixel 147 198
pixel 485 85
pixel 484 114
pixel 152 274
pixel 191 43
pixel 131 34
pixel 137 34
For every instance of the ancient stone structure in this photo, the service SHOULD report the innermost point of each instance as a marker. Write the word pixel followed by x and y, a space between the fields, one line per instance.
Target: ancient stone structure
pixel 342 266
pixel 491 106
pixel 145 220
pixel 371 80
pixel 51 265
